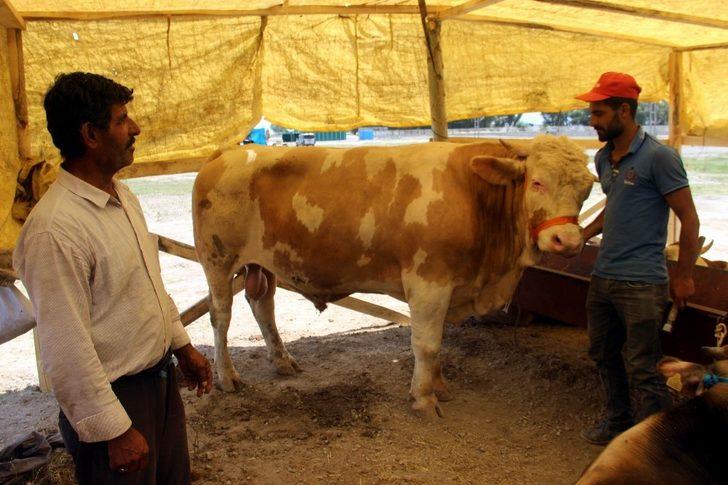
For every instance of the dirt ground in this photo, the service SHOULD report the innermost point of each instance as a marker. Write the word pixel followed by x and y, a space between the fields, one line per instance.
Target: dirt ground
pixel 521 398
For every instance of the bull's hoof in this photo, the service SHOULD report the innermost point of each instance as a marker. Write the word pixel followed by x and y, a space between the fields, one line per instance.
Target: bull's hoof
pixel 427 408
pixel 230 383
pixel 286 366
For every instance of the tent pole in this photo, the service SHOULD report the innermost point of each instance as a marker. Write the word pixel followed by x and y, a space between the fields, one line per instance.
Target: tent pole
pixel 20 99
pixel 675 69
pixel 435 76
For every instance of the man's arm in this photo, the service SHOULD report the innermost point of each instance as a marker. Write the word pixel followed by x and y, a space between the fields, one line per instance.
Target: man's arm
pixel 682 285
pixel 595 227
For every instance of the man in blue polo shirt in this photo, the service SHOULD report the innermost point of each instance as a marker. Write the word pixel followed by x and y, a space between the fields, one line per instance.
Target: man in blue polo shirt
pixel 628 295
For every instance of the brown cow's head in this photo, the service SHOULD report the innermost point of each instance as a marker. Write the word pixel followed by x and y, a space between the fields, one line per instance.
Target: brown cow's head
pixel 688 377
pixel 557 184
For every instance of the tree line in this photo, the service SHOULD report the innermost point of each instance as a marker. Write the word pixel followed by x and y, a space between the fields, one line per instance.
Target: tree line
pixel 648 114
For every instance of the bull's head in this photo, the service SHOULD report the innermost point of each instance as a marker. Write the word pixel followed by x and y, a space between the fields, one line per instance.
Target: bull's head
pixel 693 379
pixel 557 182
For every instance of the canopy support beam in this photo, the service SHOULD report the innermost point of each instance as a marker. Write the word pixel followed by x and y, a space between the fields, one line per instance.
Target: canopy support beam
pixel 435 76
pixel 9 17
pixel 675 68
pixel 261 12
pixel 538 24
pixel 16 64
pixel 649 13
pixel 465 8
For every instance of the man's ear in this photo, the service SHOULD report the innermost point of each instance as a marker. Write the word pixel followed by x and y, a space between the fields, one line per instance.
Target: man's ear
pixel 625 111
pixel 497 171
pixel 89 134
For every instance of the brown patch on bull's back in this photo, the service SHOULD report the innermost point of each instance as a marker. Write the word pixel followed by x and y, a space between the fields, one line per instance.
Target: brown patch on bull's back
pixel 330 252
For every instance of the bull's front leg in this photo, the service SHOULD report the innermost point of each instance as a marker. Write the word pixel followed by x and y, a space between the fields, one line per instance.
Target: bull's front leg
pixel 428 304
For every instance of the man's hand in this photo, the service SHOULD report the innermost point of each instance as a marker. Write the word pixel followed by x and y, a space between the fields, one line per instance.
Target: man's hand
pixel 681 288
pixel 195 369
pixel 129 452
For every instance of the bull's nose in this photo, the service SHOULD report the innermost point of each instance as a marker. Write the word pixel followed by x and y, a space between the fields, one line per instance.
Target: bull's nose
pixel 556 243
pixel 566 244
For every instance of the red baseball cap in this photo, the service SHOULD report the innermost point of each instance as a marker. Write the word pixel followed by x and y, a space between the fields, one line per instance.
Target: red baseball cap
pixel 612 85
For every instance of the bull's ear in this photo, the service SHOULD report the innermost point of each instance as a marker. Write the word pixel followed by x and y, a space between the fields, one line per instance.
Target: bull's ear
pixel 497 171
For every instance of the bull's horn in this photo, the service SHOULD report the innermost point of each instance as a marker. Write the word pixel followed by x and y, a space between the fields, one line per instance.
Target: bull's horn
pixel 705 249
pixel 519 151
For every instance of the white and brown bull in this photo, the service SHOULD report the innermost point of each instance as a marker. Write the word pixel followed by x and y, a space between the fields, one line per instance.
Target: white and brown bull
pixel 447 227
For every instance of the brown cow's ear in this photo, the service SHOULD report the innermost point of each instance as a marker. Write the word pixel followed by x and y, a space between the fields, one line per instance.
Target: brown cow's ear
pixel 498 171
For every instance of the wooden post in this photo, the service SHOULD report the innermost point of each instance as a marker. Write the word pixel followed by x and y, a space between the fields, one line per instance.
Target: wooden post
pixel 435 76
pixel 675 69
pixel 16 66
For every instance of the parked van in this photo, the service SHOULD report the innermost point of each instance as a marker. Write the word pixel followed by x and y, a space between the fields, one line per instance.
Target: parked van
pixel 306 139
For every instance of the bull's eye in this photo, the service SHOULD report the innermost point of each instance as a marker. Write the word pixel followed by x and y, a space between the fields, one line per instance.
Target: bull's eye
pixel 537 185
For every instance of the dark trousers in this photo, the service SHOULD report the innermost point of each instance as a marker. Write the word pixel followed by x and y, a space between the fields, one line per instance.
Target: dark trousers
pixel 152 401
pixel 624 322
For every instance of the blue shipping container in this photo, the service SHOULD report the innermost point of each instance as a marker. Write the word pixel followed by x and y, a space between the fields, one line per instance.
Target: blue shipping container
pixel 258 136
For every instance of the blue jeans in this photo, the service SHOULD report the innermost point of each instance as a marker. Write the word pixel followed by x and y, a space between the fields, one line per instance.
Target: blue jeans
pixel 624 322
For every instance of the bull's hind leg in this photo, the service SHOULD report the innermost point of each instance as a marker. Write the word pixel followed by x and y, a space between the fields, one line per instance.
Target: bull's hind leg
pixel 264 313
pixel 428 306
pixel 221 302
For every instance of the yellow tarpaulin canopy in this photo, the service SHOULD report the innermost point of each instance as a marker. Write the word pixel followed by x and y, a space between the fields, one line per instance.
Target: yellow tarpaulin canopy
pixel 204 72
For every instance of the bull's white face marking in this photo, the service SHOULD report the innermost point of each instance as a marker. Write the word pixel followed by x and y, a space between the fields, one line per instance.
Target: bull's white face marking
pixel 417 209
pixel 251 156
pixel 363 261
pixel 307 214
pixel 367 228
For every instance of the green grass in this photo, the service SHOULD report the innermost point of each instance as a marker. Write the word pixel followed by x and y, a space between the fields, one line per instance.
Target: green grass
pixel 711 164
pixel 162 185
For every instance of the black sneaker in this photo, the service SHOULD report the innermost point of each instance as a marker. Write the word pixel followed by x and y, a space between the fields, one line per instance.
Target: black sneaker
pixel 602 433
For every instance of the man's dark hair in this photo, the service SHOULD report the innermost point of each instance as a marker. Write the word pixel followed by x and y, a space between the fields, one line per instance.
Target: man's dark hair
pixel 615 103
pixel 76 98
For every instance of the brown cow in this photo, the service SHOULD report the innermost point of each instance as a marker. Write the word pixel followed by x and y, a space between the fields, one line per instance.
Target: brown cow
pixel 685 445
pixel 447 227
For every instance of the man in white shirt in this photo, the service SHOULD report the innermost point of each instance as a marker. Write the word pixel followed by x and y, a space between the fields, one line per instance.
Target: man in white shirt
pixel 106 325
